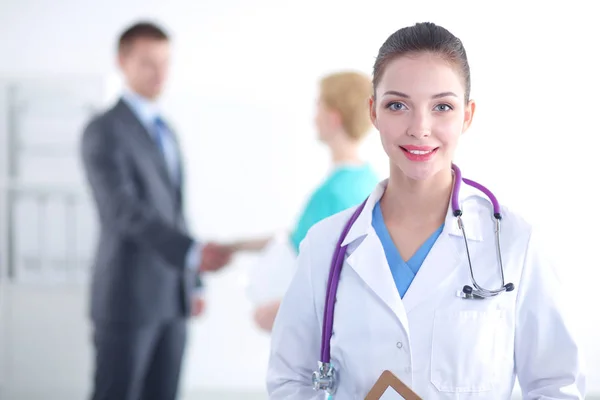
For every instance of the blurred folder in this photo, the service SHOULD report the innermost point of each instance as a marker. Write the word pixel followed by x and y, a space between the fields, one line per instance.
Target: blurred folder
pixel 270 276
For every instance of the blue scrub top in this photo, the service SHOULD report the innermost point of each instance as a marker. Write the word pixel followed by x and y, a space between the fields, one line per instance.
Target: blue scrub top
pixel 347 186
pixel 403 272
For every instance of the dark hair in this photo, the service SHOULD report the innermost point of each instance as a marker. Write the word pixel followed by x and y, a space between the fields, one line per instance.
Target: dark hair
pixel 146 30
pixel 423 37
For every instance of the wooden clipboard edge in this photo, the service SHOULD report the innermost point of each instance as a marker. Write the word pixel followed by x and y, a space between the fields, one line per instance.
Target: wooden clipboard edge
pixel 387 379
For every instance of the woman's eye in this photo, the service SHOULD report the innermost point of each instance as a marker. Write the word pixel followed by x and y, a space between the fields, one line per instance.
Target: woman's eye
pixel 443 107
pixel 395 106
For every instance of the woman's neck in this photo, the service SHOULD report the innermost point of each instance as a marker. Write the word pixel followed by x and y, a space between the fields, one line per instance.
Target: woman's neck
pixel 416 203
pixel 344 150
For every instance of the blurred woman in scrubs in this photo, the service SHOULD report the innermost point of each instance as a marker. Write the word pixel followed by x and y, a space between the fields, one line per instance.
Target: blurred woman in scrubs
pixel 342 121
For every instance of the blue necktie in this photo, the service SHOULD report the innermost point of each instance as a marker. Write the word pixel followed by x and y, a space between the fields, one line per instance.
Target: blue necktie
pixel 166 145
pixel 158 132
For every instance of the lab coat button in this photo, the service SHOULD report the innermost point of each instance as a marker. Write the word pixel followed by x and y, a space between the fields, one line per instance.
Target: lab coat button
pixel 399 345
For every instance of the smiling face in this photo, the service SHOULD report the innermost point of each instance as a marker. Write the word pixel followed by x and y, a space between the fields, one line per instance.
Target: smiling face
pixel 420 112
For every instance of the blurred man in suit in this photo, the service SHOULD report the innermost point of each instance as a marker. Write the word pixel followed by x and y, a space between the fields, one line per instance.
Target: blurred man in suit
pixel 147 265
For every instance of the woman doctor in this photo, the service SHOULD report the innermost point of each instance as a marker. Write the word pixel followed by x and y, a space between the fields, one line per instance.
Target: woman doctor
pixel 399 305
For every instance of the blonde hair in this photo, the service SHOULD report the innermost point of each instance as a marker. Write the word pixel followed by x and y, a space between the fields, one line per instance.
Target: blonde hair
pixel 348 93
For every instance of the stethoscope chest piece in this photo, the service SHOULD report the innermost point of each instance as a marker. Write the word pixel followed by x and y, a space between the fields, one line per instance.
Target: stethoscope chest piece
pixel 468 292
pixel 324 379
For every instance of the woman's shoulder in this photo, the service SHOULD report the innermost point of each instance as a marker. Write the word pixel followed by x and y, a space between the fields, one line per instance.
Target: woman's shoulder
pixel 327 231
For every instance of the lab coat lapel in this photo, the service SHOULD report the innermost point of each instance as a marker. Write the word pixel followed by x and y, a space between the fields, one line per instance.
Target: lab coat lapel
pixel 367 257
pixel 369 262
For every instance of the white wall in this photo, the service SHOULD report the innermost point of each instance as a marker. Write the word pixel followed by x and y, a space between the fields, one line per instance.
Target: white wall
pixel 242 95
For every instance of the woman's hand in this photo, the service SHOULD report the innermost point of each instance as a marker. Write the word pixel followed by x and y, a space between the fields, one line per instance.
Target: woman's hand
pixel 264 315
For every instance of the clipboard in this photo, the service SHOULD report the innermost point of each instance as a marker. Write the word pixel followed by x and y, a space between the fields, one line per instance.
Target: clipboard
pixel 389 380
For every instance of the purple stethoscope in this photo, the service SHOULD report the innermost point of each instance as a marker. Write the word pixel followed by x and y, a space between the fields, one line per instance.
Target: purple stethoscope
pixel 324 378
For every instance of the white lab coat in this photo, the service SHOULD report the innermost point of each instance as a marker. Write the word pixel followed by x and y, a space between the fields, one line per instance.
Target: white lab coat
pixel 442 346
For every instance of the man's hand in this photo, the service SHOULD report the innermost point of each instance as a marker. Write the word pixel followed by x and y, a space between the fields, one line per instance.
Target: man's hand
pixel 198 306
pixel 215 257
pixel 264 315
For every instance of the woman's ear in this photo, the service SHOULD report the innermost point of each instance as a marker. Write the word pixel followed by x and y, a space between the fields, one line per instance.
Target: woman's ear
pixel 373 111
pixel 469 112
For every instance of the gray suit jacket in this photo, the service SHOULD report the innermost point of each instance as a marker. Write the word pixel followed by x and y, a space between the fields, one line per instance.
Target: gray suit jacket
pixel 139 273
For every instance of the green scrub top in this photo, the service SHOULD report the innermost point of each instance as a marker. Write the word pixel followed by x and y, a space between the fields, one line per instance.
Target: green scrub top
pixel 346 187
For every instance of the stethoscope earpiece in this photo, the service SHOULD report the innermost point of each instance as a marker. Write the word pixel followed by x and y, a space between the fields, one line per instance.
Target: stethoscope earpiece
pixel 509 287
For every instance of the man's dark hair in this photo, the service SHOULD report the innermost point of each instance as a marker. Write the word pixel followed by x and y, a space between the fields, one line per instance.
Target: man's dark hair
pixel 141 30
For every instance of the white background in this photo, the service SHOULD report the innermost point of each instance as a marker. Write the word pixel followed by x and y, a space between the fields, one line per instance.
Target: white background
pixel 242 95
